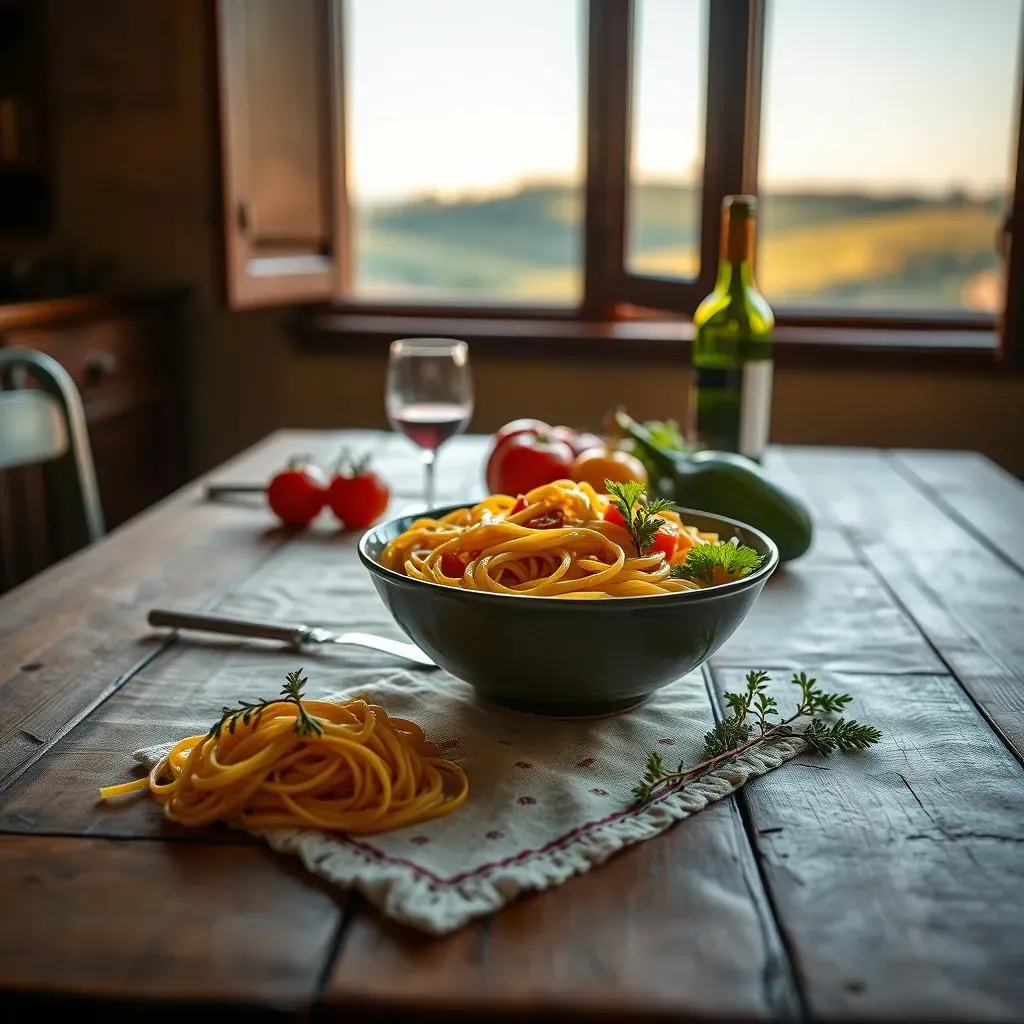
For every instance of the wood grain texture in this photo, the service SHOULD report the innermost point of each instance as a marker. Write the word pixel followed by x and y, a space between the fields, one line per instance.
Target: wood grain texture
pixel 986 500
pixel 964 598
pixel 674 928
pixel 826 609
pixel 161 921
pixel 71 633
pixel 179 695
pixel 897 875
pixel 843 619
pixel 75 649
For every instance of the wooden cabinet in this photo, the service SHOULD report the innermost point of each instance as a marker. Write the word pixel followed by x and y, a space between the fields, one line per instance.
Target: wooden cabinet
pixel 127 356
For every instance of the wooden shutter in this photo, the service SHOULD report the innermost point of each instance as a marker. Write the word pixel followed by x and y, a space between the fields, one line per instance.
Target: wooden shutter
pixel 279 78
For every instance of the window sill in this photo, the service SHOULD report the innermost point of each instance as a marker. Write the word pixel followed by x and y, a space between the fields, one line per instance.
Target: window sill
pixel 327 331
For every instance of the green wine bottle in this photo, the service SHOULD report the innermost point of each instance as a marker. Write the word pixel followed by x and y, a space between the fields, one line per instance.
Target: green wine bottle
pixel 731 385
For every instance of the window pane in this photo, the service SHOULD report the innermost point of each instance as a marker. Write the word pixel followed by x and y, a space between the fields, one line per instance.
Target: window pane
pixel 667 145
pixel 888 136
pixel 465 149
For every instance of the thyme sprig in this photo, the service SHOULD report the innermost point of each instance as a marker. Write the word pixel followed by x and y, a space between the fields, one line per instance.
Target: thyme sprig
pixel 640 513
pixel 754 720
pixel 249 712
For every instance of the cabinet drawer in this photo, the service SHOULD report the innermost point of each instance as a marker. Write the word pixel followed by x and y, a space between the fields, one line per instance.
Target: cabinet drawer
pixel 108 351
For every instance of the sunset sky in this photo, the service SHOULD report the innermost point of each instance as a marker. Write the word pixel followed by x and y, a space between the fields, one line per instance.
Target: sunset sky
pixel 455 96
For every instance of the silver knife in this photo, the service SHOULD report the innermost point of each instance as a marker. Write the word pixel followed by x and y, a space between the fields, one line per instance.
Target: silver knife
pixel 296 636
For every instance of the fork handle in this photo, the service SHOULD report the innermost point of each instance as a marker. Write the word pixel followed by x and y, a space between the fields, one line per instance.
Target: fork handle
pixel 293 635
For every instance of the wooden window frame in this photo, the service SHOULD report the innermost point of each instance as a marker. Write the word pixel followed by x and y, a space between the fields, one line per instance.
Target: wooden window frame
pixel 624 314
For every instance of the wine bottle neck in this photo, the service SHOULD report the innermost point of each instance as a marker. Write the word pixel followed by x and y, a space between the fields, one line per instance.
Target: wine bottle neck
pixel 739 236
pixel 734 274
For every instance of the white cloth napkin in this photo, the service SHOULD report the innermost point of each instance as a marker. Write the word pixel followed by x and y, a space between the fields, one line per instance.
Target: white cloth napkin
pixel 548 799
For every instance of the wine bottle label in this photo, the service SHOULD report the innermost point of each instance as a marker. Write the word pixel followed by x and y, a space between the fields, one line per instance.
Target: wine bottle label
pixel 755 407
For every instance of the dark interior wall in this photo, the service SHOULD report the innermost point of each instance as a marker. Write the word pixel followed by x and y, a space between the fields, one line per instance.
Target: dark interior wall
pixel 133 122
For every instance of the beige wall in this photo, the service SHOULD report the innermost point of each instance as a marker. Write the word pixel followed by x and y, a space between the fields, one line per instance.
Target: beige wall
pixel 137 182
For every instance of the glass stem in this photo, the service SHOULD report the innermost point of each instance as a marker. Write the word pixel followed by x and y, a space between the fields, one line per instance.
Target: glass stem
pixel 429 458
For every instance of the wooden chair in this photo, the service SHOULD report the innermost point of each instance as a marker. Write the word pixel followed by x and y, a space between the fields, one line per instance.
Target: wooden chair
pixel 45 423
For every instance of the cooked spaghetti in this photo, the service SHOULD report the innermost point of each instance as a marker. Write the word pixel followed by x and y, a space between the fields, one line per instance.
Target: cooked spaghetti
pixel 288 763
pixel 558 540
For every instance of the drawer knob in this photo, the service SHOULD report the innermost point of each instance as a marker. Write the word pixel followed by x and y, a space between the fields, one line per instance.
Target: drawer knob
pixel 98 366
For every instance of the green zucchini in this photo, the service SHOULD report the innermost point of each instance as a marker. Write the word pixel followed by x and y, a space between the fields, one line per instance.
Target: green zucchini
pixel 726 484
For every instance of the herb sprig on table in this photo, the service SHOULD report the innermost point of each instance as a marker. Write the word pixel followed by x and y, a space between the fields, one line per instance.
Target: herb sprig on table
pixel 754 720
pixel 641 514
pixel 250 712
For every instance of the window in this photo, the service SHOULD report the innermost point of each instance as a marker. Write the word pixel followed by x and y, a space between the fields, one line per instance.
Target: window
pixel 666 137
pixel 465 169
pixel 887 153
pixel 566 159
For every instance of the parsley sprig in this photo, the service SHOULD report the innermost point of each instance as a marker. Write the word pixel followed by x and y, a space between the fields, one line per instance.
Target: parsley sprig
pixel 641 514
pixel 733 559
pixel 249 712
pixel 754 720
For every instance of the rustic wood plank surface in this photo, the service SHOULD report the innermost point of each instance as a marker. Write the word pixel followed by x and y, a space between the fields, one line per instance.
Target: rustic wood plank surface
pixel 965 599
pixel 885 886
pixel 986 500
pixel 898 876
pixel 673 929
pixel 180 922
pixel 90 609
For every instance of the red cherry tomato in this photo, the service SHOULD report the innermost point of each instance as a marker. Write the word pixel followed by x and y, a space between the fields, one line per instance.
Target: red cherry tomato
pixel 297 494
pixel 357 495
pixel 579 441
pixel 553 520
pixel 521 426
pixel 514 428
pixel 451 565
pixel 520 463
pixel 566 434
pixel 519 505
pixel 613 515
pixel 665 542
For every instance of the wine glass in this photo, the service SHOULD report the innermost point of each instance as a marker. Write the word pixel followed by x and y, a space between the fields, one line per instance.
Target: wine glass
pixel 429 395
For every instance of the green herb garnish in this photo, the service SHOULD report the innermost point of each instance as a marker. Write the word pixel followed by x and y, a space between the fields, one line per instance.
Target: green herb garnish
pixel 754 721
pixel 735 560
pixel 640 514
pixel 249 713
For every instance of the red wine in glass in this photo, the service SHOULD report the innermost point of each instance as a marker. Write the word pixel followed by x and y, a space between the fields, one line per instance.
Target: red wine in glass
pixel 430 424
pixel 429 395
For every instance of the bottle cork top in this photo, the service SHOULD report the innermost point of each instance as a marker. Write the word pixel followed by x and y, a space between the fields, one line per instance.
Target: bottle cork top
pixel 740 205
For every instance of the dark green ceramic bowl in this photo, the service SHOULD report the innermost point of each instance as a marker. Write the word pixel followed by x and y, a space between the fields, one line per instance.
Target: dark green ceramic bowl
pixel 556 657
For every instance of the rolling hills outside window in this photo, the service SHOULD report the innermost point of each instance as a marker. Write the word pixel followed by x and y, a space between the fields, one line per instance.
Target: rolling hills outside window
pixel 566 159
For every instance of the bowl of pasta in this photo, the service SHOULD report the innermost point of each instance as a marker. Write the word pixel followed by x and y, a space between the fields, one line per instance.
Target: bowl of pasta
pixel 566 601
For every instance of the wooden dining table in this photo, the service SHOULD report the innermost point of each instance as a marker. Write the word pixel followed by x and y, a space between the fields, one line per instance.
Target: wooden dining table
pixel 887 885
